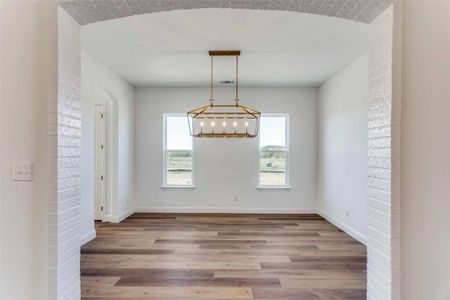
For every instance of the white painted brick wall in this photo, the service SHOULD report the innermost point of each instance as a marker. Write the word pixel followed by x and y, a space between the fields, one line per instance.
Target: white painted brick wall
pixel 384 160
pixel 90 11
pixel 64 170
pixel 384 132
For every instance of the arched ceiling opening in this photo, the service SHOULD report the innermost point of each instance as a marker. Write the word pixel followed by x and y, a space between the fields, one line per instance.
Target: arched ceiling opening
pixel 92 11
pixel 279 48
pixel 294 51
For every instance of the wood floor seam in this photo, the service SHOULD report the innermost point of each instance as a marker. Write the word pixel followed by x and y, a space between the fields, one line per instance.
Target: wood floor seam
pixel 223 257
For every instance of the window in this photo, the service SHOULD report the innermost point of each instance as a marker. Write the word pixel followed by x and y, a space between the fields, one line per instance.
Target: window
pixel 273 150
pixel 177 151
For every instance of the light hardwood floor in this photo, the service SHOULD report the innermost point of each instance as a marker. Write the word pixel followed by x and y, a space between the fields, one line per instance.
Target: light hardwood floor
pixel 228 257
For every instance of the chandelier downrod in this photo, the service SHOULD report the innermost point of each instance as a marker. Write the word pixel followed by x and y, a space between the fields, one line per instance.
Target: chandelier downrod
pixel 237 81
pixel 211 99
pixel 235 53
pixel 224 120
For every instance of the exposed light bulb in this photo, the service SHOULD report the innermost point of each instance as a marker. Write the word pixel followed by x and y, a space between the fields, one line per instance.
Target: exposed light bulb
pixel 212 123
pixel 235 124
pixel 246 124
pixel 201 124
pixel 224 124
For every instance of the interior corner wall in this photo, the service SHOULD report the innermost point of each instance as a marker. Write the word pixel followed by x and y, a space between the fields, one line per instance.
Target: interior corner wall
pixel 99 85
pixel 342 148
pixel 425 171
pixel 64 144
pixel 226 168
pixel 383 230
pixel 28 66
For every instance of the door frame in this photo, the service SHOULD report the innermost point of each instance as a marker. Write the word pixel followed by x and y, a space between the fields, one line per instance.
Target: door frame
pixel 99 162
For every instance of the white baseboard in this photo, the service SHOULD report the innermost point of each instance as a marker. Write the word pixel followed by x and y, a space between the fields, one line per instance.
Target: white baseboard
pixel 224 210
pixel 87 237
pixel 121 217
pixel 349 230
pixel 107 218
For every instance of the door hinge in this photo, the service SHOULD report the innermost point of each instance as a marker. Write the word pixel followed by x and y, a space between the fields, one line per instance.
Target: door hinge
pixel 101 147
pixel 101 177
pixel 101 208
pixel 101 114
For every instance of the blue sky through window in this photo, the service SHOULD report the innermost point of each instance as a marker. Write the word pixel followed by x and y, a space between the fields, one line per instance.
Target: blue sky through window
pixel 178 137
pixel 272 131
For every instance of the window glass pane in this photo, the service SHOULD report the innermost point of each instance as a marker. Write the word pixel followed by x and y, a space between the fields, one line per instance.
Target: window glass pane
pixel 179 167
pixel 272 150
pixel 178 137
pixel 273 131
pixel 178 151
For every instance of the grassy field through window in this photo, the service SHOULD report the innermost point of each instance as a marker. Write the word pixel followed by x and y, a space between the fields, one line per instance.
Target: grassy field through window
pixel 179 167
pixel 272 165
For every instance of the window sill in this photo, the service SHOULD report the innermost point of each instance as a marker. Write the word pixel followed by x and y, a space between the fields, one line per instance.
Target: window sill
pixel 179 187
pixel 274 187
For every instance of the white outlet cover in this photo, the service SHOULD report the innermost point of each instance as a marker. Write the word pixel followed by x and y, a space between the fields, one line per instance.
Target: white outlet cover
pixel 22 172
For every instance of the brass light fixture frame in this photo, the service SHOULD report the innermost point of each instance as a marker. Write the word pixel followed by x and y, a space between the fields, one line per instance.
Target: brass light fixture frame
pixel 226 112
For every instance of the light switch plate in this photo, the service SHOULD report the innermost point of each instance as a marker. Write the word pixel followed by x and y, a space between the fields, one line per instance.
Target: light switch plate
pixel 22 171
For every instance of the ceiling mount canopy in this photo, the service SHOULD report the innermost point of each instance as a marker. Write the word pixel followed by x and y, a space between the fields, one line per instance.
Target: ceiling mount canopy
pixel 224 120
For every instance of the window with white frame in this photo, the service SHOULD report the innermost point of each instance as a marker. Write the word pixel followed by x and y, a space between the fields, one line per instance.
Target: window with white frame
pixel 177 151
pixel 273 150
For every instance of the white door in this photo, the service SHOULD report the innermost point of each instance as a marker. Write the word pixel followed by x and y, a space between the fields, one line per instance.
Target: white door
pixel 99 162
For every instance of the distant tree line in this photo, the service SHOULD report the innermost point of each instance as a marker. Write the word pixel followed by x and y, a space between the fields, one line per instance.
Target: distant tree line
pixel 178 153
pixel 272 151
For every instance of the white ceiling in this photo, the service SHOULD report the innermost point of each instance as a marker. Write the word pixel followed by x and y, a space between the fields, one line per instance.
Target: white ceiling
pixel 278 48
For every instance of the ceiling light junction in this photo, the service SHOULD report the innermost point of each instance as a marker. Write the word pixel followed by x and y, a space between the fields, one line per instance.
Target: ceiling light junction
pixel 224 120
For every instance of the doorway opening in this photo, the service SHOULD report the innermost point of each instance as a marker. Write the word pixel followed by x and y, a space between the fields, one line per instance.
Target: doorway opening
pixel 380 117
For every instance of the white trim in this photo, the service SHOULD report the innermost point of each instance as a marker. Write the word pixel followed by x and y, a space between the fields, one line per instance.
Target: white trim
pixel 107 218
pixel 100 185
pixel 179 187
pixel 274 187
pixel 286 135
pixel 88 237
pixel 232 210
pixel 121 217
pixel 165 185
pixel 349 230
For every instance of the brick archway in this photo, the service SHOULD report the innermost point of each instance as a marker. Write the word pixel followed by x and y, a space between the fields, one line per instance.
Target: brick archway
pixel 92 11
pixel 384 19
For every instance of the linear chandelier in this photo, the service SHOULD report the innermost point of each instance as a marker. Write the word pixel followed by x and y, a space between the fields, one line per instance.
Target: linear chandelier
pixel 224 120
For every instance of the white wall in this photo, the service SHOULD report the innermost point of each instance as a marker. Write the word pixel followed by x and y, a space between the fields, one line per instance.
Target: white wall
pixel 342 152
pixel 26 77
pixel 99 85
pixel 425 172
pixel 226 168
pixel 64 142
pixel 383 234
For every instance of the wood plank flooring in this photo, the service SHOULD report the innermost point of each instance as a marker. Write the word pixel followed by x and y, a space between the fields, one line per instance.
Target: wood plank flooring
pixel 222 257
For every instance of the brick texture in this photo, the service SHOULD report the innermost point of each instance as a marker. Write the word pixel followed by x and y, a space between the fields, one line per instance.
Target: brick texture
pixel 91 11
pixel 384 129
pixel 384 159
pixel 64 166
